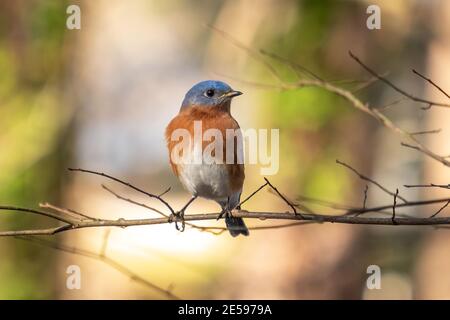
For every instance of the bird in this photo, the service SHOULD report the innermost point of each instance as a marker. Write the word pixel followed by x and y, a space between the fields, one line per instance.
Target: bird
pixel 208 103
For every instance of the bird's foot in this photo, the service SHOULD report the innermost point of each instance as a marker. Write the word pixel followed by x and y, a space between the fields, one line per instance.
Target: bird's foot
pixel 224 213
pixel 178 217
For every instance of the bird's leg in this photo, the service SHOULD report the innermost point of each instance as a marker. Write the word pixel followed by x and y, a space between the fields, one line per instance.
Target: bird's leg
pixel 225 210
pixel 180 215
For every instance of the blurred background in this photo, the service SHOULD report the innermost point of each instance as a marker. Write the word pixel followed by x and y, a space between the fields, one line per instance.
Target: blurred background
pixel 100 97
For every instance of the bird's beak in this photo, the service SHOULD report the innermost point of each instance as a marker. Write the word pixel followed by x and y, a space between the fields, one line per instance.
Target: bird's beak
pixel 232 94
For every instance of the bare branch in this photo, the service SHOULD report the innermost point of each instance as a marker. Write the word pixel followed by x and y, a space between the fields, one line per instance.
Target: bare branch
pixel 165 192
pixel 289 203
pixel 36 232
pixel 118 196
pixel 393 86
pixel 346 94
pixel 345 218
pixel 151 195
pixel 298 205
pixel 42 213
pixel 363 177
pixel 431 82
pixel 251 195
pixel 68 212
pixel 207 229
pixel 105 242
pixel 325 203
pixel 364 85
pixel 426 132
pixel 431 185
pixel 440 210
pixel 295 66
pixel 255 54
pixel 365 196
pixel 391 104
pixel 393 208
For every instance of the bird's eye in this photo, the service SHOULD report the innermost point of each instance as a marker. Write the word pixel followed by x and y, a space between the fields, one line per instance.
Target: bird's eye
pixel 210 93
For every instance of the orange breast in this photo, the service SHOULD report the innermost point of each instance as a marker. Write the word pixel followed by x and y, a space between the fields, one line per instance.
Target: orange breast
pixel 210 117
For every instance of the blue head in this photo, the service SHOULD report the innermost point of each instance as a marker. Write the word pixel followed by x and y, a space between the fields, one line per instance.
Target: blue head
pixel 209 93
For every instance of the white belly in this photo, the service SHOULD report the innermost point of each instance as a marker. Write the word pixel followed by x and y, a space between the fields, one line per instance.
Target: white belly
pixel 209 181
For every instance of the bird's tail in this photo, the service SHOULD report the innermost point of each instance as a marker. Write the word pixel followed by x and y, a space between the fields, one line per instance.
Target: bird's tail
pixel 236 226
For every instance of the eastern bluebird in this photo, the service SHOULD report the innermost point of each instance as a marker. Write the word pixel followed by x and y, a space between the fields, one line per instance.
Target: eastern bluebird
pixel 208 102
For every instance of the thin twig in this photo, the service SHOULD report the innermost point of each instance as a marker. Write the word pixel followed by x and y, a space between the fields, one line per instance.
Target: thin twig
pixel 326 203
pixel 404 144
pixel 393 207
pixel 363 177
pixel 165 192
pixel 393 86
pixel 431 82
pixel 289 203
pixel 251 195
pixel 38 212
pixel 255 54
pixel 118 196
pixel 105 243
pixel 425 132
pixel 151 195
pixel 297 67
pixel 439 211
pixel 391 104
pixel 365 196
pixel 69 212
pixel 298 205
pixel 364 85
pixel 431 185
